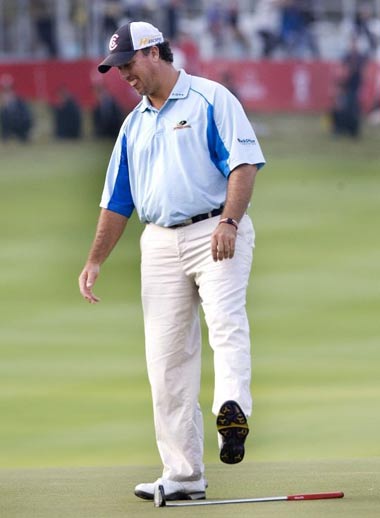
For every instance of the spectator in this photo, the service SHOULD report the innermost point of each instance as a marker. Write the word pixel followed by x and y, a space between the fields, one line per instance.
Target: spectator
pixel 42 12
pixel 365 27
pixel 79 20
pixel 267 23
pixel 296 36
pixel 67 116
pixel 172 14
pixel 346 112
pixel 15 115
pixel 216 17
pixel 112 12
pixel 239 42
pixel 107 114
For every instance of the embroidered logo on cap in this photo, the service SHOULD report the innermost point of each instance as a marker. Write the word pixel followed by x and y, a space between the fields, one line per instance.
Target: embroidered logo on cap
pixel 113 42
pixel 150 40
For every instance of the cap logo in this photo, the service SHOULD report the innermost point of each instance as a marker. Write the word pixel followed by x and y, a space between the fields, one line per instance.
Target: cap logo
pixel 145 42
pixel 113 42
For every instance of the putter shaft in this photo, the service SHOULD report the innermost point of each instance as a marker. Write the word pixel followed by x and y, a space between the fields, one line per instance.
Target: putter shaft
pixel 306 496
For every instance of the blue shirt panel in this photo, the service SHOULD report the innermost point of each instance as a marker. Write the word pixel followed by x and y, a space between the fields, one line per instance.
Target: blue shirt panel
pixel 218 152
pixel 117 188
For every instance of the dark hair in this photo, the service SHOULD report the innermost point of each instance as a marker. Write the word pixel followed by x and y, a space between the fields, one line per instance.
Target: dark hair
pixel 166 53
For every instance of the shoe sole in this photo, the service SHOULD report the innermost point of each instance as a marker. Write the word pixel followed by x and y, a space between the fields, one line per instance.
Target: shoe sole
pixel 179 495
pixel 232 425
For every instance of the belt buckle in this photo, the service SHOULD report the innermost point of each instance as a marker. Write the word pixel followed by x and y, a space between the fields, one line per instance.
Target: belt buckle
pixel 187 222
pixel 184 223
pixel 196 219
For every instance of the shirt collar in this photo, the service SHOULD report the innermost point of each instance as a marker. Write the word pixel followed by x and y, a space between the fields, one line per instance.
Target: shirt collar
pixel 180 91
pixel 182 86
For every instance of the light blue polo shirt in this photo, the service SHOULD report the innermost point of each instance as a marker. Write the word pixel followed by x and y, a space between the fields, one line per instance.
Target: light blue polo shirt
pixel 173 163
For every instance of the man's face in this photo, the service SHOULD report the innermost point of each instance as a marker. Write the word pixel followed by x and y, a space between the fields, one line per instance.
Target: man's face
pixel 139 73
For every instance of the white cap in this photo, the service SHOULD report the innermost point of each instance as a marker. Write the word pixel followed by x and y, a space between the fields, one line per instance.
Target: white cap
pixel 127 40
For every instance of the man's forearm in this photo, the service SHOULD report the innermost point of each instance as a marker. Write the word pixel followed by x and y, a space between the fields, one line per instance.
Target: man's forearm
pixel 108 232
pixel 239 191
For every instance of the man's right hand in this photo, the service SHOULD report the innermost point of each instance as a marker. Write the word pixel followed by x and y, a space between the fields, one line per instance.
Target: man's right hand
pixel 87 280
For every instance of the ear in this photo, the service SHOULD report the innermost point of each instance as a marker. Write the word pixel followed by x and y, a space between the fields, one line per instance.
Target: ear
pixel 155 54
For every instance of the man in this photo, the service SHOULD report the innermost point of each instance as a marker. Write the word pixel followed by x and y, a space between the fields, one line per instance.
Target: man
pixel 346 112
pixel 107 115
pixel 186 159
pixel 16 119
pixel 67 116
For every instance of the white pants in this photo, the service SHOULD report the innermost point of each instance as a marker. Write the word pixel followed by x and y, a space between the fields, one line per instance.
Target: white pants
pixel 178 274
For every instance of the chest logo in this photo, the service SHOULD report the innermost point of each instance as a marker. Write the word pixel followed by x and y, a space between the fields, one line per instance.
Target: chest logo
pixel 182 125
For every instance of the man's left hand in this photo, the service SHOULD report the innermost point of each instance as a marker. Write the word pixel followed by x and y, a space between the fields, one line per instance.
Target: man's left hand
pixel 223 242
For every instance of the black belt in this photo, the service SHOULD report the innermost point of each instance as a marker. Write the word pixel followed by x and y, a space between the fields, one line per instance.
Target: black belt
pixel 199 217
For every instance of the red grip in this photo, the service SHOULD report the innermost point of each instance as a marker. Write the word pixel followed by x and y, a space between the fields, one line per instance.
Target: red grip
pixel 316 496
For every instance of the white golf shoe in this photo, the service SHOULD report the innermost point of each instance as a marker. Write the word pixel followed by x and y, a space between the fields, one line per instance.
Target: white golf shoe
pixel 186 490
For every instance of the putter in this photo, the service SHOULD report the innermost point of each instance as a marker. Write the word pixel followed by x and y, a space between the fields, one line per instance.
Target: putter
pixel 160 500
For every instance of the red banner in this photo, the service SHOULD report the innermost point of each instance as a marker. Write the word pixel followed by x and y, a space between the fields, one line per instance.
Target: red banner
pixel 287 86
pixel 264 86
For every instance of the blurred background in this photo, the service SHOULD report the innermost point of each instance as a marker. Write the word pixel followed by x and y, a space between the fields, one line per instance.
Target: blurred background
pixel 73 387
pixel 275 55
pixel 72 29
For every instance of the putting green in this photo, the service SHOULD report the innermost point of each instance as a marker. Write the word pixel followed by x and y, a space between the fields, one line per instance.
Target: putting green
pixel 108 492
pixel 73 386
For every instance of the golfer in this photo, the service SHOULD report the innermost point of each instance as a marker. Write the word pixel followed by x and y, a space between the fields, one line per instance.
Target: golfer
pixel 185 159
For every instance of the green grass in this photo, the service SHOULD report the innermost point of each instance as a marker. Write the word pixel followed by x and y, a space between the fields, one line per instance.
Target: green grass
pixel 107 492
pixel 73 387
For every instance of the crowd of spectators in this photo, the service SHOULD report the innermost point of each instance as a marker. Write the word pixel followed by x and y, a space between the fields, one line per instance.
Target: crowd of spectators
pixel 67 116
pixel 271 29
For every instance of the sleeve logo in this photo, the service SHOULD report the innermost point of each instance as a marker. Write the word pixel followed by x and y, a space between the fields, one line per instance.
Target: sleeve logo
pixel 246 141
